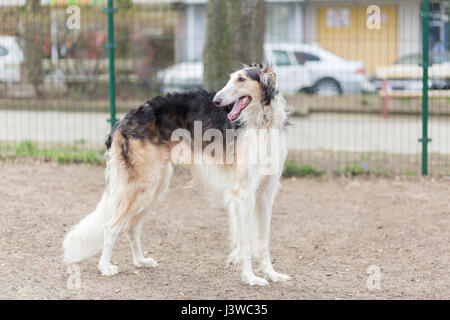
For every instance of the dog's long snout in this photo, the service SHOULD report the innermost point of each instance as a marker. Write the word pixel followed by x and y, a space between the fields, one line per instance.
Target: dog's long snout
pixel 217 101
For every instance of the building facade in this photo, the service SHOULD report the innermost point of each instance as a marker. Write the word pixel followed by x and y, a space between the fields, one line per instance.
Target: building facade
pixel 338 26
pixel 284 23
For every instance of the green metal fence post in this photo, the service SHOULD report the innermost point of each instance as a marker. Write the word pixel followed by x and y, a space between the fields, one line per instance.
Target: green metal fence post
pixel 111 45
pixel 425 64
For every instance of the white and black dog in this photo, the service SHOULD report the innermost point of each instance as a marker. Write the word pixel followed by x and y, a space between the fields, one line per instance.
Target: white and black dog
pixel 139 168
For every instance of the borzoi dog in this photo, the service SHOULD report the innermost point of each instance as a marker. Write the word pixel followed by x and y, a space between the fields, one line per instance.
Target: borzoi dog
pixel 139 166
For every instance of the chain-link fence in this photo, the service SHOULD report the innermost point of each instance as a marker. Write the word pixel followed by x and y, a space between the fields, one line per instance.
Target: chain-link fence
pixel 351 71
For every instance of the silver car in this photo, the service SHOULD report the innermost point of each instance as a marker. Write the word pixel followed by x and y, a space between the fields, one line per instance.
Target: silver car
pixel 299 67
pixel 11 56
pixel 310 68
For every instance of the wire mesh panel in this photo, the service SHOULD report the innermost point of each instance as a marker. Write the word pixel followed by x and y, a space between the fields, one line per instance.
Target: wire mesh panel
pixel 350 71
pixel 53 78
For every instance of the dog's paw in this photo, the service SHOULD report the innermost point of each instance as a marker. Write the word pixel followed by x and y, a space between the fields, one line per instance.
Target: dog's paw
pixel 233 257
pixel 108 269
pixel 277 277
pixel 148 262
pixel 254 280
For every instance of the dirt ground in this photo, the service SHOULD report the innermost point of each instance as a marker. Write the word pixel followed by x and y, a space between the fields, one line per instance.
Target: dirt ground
pixel 326 233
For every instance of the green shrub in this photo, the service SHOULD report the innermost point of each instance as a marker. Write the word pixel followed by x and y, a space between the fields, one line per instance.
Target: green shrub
pixel 353 170
pixel 292 169
pixel 61 154
pixel 26 148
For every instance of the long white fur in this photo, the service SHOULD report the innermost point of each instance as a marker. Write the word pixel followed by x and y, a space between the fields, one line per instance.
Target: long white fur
pixel 85 239
pixel 247 194
pixel 249 199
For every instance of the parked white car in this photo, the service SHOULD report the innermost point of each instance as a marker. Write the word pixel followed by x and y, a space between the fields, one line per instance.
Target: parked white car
pixel 11 57
pixel 182 76
pixel 299 67
pixel 310 68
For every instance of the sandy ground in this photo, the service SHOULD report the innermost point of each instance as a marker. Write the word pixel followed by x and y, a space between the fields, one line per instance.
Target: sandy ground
pixel 325 234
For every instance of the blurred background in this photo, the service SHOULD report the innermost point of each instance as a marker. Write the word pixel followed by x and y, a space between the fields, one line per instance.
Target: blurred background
pixel 349 70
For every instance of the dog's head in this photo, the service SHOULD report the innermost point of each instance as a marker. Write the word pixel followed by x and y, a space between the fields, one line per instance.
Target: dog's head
pixel 252 86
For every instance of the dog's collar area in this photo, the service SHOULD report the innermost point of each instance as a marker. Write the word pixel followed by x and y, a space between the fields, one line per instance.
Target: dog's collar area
pixel 265 119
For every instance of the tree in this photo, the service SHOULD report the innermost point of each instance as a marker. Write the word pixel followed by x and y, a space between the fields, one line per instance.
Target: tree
pixel 234 35
pixel 36 27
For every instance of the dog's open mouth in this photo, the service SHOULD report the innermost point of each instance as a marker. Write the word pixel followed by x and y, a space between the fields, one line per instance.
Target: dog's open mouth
pixel 239 105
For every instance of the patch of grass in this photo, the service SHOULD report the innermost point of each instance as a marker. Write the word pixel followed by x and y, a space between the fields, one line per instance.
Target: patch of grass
pixel 364 102
pixel 26 149
pixel 61 154
pixel 410 173
pixel 353 170
pixel 405 100
pixel 380 173
pixel 292 169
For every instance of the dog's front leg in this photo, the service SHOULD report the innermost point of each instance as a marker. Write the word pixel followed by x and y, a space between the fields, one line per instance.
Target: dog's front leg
pixel 233 220
pixel 245 206
pixel 264 206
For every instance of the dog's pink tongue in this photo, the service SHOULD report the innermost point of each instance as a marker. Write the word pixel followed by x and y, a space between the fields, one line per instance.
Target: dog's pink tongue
pixel 236 111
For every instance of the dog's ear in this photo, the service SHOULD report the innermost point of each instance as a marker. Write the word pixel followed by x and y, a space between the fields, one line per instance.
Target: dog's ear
pixel 268 83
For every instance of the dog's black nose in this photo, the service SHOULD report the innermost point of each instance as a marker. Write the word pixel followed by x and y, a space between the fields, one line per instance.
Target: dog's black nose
pixel 217 101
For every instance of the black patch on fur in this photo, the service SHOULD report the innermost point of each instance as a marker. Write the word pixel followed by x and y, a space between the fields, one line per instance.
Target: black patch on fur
pixel 108 141
pixel 260 73
pixel 253 73
pixel 125 147
pixel 255 65
pixel 156 119
pixel 269 89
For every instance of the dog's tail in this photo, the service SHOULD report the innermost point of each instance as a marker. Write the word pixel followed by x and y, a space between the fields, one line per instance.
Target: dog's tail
pixel 86 238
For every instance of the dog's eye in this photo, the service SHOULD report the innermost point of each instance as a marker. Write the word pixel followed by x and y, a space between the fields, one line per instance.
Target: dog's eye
pixel 241 79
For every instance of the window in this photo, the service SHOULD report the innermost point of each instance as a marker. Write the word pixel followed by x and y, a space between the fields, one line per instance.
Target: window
pixel 3 51
pixel 303 57
pixel 277 23
pixel 447 29
pixel 281 58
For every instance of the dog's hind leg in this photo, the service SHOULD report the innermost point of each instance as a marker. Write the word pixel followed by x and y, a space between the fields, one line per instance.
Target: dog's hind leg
pixel 133 231
pixel 127 206
pixel 139 166
pixel 134 225
pixel 164 182
pixel 110 236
